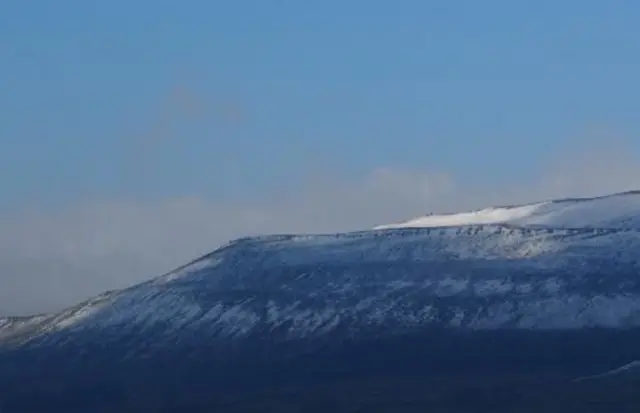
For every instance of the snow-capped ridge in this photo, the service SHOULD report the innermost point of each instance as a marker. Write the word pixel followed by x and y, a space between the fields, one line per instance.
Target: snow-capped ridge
pixel 483 216
pixel 621 210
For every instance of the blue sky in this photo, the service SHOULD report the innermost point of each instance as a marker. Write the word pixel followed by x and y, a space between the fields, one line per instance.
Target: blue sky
pixel 480 89
pixel 136 135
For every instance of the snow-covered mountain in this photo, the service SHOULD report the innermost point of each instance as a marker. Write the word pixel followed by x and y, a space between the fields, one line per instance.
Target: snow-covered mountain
pixel 475 277
pixel 557 269
pixel 559 264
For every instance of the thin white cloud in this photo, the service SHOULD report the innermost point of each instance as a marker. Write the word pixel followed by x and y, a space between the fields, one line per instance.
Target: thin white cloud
pixel 51 259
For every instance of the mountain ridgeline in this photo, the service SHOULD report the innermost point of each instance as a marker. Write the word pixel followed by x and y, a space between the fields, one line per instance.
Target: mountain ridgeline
pixel 547 291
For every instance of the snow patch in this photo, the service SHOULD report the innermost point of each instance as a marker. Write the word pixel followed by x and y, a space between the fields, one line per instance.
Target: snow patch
pixel 631 366
pixel 483 216
pixel 613 211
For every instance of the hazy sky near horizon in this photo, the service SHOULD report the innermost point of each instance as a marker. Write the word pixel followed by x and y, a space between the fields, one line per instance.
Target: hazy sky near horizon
pixel 136 135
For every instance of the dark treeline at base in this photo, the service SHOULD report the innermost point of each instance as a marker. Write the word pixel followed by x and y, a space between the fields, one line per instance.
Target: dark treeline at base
pixel 438 370
pixel 500 393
